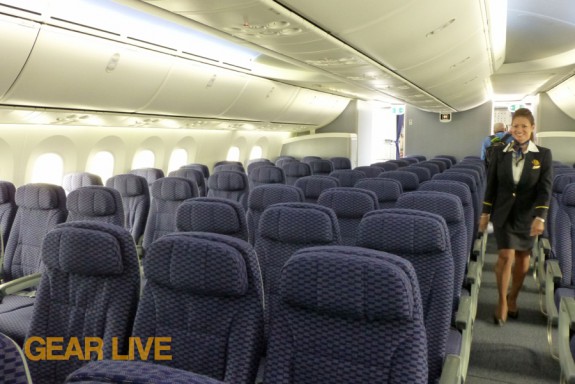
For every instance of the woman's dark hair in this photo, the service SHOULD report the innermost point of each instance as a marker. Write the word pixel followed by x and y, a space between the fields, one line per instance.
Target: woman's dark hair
pixel 524 112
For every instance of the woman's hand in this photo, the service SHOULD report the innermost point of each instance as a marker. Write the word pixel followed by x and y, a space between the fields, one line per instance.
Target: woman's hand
pixel 483 222
pixel 537 227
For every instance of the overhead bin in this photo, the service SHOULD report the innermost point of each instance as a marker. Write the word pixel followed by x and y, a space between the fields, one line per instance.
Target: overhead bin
pixel 563 95
pixel 313 108
pixel 67 69
pixel 17 37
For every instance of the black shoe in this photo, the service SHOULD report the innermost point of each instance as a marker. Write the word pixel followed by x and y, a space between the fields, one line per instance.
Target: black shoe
pixel 513 314
pixel 498 321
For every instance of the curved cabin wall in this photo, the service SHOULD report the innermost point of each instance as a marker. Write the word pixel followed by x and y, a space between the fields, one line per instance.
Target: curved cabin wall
pixel 20 146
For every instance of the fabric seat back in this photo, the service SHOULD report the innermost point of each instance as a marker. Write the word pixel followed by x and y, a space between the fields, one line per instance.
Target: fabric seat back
pixel 320 167
pixel 8 210
pixel 232 185
pixel 340 163
pixel 167 195
pixel 214 215
pixel 349 205
pixel 294 170
pixel 40 208
pixel 284 228
pixel 258 163
pixel 386 190
pixel 409 181
pixel 90 289
pixel 386 165
pixel 75 180
pixel 423 174
pixel 193 174
pixel 229 167
pixel 347 315
pixel 264 196
pixel 204 290
pixel 266 175
pixel 313 186
pixel 369 171
pixel 150 174
pixel 95 204
pixel 422 238
pixel 135 199
pixel 347 177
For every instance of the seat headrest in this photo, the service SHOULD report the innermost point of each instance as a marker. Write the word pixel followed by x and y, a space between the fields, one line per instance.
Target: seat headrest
pixel 189 173
pixel 346 202
pixel 210 214
pixel 454 187
pixel 444 204
pixel 385 189
pixel 269 174
pixel 204 266
pixel 467 179
pixel 300 223
pixel 560 182
pixel 7 192
pixel 83 251
pixel 568 197
pixel 403 231
pixel 94 201
pixel 75 180
pixel 296 169
pixel 348 282
pixel 313 186
pixel 228 181
pixel 409 181
pixel 173 189
pixel 128 184
pixel 40 196
pixel 263 196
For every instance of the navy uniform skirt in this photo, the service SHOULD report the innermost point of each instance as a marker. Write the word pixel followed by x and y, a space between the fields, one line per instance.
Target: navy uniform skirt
pixel 514 234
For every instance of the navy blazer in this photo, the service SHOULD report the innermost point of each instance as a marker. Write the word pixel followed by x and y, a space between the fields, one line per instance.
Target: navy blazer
pixel 529 198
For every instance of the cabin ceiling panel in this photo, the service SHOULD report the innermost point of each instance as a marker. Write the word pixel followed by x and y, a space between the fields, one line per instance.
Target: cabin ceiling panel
pixel 17 38
pixel 563 96
pixel 313 107
pixel 72 70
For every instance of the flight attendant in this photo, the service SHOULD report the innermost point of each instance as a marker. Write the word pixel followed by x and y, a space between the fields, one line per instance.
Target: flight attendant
pixel 516 202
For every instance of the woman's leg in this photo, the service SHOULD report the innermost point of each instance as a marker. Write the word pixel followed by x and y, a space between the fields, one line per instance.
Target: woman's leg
pixel 519 271
pixel 502 276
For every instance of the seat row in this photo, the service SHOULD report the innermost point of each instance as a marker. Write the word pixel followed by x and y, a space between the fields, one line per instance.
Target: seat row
pixel 357 303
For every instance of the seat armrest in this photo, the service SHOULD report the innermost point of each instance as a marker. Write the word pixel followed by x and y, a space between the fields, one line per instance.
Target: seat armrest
pixel 463 317
pixel 473 273
pixel 566 324
pixel 20 284
pixel 451 372
pixel 553 276
pixel 544 245
pixel 476 252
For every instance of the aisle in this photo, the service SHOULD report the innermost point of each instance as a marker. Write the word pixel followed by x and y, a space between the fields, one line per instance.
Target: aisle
pixel 516 352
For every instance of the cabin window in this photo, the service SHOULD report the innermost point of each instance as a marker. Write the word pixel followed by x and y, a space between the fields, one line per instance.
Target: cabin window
pixel 233 154
pixel 178 158
pixel 256 152
pixel 48 168
pixel 102 164
pixel 144 159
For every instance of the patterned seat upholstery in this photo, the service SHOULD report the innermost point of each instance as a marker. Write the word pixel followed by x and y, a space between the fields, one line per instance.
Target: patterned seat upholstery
pixel 560 182
pixel 312 186
pixel 75 180
pixel 200 167
pixel 295 170
pixel 204 290
pixel 320 167
pixel 422 238
pixel 386 190
pixel 228 162
pixel 349 205
pixel 13 367
pixel 400 162
pixel 420 158
pixel 193 174
pixel 264 196
pixel 387 166
pixel 448 163
pixel 167 195
pixel 369 171
pixel 411 160
pixel 40 208
pixel 266 175
pixel 134 372
pixel 423 174
pixel 450 208
pixel 309 159
pixel 258 163
pixel 347 177
pixel 442 164
pixel 232 185
pixel 90 289
pixel 150 174
pixel 281 161
pixel 285 228
pixel 340 163
pixel 431 167
pixel 135 200
pixel 409 181
pixel 7 214
pixel 473 173
pixel 347 315
pixel 95 203
pixel 214 215
pixel 451 158
pixel 229 167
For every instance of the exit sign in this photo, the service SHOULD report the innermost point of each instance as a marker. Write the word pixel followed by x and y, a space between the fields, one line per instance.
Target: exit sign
pixel 398 109
pixel 514 107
